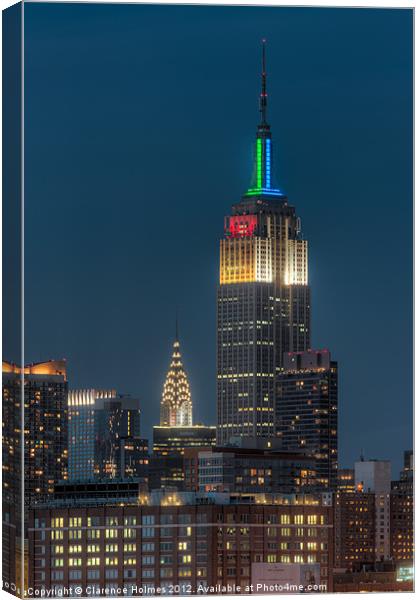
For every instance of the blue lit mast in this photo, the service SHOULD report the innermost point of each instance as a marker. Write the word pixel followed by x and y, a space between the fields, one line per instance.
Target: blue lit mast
pixel 262 180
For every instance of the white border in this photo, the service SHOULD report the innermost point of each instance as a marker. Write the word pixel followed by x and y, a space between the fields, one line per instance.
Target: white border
pixel 291 3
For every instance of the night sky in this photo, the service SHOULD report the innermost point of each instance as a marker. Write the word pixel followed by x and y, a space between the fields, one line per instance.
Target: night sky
pixel 140 123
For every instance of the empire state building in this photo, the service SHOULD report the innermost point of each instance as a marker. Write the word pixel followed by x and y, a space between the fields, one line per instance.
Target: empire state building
pixel 263 299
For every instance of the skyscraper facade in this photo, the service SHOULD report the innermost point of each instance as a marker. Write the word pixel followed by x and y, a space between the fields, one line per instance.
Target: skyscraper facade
pixel 263 299
pixel 306 410
pixel 243 470
pixel 104 436
pixel 42 388
pixel 120 451
pixel 45 418
pixel 81 415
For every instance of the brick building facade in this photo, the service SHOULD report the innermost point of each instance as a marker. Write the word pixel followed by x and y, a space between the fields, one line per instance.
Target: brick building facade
pixel 177 544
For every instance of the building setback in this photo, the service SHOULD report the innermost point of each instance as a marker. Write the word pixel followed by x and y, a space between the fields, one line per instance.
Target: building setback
pixel 306 410
pixel 180 540
pixel 263 298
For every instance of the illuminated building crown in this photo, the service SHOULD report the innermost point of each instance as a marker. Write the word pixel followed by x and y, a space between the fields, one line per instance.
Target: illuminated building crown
pixel 176 405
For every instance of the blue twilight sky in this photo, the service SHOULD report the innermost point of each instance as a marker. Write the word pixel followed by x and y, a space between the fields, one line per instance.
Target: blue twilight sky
pixel 140 123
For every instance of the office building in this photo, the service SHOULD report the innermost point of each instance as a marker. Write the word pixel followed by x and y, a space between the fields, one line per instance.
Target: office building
pixel 120 451
pixel 244 470
pixel 104 436
pixel 81 427
pixel 172 441
pixel 263 299
pixel 306 410
pixel 169 445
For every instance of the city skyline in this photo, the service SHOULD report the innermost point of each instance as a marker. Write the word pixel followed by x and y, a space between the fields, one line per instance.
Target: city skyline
pixel 117 352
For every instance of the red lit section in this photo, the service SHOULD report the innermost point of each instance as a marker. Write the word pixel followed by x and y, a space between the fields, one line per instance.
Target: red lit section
pixel 242 226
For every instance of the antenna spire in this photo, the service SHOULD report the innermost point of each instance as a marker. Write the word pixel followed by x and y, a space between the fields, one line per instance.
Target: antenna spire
pixel 263 95
pixel 176 326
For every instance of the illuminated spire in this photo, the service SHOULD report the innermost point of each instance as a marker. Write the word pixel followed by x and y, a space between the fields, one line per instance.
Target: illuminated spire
pixel 176 405
pixel 262 179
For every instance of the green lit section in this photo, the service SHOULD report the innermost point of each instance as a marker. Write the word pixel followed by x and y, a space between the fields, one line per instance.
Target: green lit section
pixel 262 171
pixel 259 163
pixel 262 191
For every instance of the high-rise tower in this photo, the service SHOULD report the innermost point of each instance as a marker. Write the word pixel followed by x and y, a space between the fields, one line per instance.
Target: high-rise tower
pixel 81 431
pixel 307 410
pixel 176 431
pixel 104 436
pixel 263 301
pixel 176 405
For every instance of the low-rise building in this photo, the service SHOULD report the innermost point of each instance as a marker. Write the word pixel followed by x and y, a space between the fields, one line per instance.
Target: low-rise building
pixel 179 542
pixel 379 577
